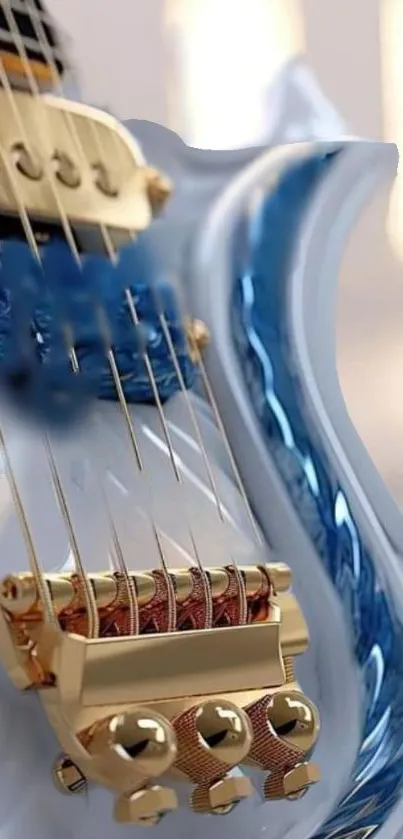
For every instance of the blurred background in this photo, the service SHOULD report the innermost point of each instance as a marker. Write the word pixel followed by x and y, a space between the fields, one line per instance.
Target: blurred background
pixel 209 69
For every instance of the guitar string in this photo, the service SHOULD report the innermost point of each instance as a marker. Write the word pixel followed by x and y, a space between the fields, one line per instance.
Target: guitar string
pixel 109 246
pixel 89 596
pixel 46 46
pixel 37 18
pixel 209 391
pixel 90 602
pixel 118 555
pixel 171 348
pixel 39 26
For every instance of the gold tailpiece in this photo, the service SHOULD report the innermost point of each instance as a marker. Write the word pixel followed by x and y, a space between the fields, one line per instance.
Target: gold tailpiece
pixel 139 712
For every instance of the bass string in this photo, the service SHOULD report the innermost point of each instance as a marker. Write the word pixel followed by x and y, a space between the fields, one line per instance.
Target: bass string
pixel 109 246
pixel 175 361
pixel 42 37
pixel 89 596
pixel 91 607
pixel 193 418
pixel 194 421
pixel 208 388
pixel 44 593
pixel 104 328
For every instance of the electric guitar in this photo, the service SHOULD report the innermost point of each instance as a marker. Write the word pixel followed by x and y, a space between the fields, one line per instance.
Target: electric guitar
pixel 137 573
pixel 139 601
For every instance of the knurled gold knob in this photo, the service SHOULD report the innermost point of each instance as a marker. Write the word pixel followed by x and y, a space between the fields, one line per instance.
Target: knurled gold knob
pixel 285 727
pixel 212 738
pixel 132 747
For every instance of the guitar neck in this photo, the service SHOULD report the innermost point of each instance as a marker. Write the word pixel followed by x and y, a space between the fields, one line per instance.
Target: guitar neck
pixel 29 43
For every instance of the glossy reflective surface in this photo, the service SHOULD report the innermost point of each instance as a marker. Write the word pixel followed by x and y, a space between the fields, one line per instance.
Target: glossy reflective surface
pixel 264 345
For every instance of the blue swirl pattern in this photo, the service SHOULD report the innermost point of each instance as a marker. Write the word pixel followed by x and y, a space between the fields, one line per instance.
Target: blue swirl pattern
pixel 37 302
pixel 263 345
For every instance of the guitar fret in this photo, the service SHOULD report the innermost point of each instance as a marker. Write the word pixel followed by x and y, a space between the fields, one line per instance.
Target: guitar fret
pixel 29 43
pixel 29 10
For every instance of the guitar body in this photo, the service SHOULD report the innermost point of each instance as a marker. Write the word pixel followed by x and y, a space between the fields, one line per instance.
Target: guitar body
pixel 312 485
pixel 100 454
pixel 150 535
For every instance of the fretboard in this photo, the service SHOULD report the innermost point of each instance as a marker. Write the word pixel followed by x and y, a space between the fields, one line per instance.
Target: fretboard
pixel 27 21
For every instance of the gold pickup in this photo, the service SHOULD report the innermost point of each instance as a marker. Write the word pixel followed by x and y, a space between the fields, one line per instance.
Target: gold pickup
pixel 58 157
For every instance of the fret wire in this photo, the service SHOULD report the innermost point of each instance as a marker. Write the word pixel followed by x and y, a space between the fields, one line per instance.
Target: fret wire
pixel 29 43
pixel 28 10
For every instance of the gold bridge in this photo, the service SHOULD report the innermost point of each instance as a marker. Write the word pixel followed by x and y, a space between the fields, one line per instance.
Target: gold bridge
pixel 58 157
pixel 138 712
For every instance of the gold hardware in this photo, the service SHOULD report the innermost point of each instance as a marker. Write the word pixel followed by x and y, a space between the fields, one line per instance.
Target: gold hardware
pixel 225 730
pixel 105 589
pixel 183 583
pixel 26 163
pixel 145 587
pixel 295 783
pixel 221 798
pixel 294 631
pixel 19 594
pixel 198 337
pixel 280 575
pixel 218 578
pixel 166 666
pixel 65 170
pixel 20 597
pixel 285 727
pixel 289 668
pixel 159 189
pixel 104 182
pixel 55 123
pixel 68 777
pixel 129 709
pixel 131 748
pixel 212 737
pixel 146 807
pixel 294 718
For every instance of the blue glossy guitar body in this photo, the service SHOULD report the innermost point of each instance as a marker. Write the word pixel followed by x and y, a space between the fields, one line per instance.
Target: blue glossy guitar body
pixel 257 260
pixel 313 488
